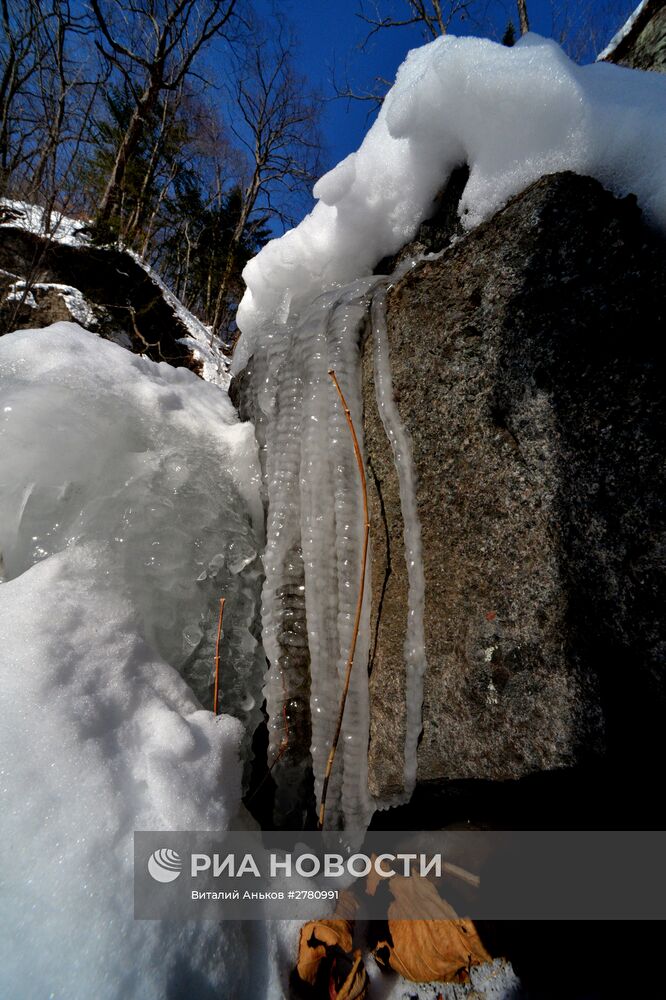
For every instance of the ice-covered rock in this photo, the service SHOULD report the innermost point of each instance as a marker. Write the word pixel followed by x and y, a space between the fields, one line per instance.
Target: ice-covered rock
pixel 511 115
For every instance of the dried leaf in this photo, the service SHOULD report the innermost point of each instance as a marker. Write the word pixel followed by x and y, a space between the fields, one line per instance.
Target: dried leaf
pixel 353 985
pixel 325 957
pixel 438 946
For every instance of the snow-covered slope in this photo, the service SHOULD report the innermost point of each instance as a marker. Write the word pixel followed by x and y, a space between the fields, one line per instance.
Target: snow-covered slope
pixel 59 228
pixel 623 32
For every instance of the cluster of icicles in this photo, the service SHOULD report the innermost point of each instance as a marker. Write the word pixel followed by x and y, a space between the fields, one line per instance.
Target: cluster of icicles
pixel 312 559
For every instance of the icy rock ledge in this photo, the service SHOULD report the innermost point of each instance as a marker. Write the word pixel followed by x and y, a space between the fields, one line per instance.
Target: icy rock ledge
pixel 512 114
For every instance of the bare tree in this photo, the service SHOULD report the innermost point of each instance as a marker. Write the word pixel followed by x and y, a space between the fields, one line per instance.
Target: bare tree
pixel 153 44
pixel 434 16
pixel 278 128
pixel 21 45
pixel 584 27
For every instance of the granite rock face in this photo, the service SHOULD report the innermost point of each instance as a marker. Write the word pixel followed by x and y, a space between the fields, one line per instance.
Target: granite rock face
pixel 527 368
pixel 644 45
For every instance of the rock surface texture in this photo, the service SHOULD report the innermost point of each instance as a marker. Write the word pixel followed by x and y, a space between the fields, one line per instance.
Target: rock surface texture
pixel 644 46
pixel 527 369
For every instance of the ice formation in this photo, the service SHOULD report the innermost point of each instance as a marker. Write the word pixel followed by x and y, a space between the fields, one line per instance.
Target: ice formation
pixel 102 446
pixel 314 545
pixel 123 481
pixel 312 554
pixel 414 651
pixel 512 115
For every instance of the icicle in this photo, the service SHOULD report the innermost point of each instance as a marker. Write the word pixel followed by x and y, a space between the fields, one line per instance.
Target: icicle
pixel 415 658
pixel 312 556
pixel 313 550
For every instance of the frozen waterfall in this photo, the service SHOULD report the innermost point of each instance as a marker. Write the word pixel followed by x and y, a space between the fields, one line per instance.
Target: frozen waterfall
pixel 314 550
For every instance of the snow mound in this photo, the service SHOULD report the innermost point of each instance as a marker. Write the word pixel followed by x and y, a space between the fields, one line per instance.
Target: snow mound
pixel 512 114
pixel 124 507
pixel 99 444
pixel 99 738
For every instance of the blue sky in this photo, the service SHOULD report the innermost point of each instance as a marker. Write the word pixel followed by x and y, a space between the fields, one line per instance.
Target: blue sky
pixel 330 34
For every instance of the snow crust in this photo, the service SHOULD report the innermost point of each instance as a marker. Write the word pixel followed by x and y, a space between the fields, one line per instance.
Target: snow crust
pixel 512 114
pixel 625 30
pixel 77 305
pixel 492 981
pixel 215 364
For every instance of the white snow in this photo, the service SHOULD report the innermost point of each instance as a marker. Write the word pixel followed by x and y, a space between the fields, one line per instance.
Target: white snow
pixel 99 737
pixel 204 348
pixel 493 981
pixel 78 306
pixel 512 114
pixel 17 293
pixel 122 482
pixel 56 225
pixel 620 35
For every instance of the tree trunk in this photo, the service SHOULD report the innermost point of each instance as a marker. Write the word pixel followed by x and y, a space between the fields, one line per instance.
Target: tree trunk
pixel 131 139
pixel 522 15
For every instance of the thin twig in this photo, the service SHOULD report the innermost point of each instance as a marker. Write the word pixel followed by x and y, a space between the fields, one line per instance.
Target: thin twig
pixel 217 657
pixel 359 603
pixel 465 876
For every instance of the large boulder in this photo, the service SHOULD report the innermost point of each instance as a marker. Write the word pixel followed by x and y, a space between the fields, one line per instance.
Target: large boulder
pixel 527 369
pixel 106 290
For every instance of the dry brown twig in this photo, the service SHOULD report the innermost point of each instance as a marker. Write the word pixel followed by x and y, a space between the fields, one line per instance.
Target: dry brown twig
pixel 359 603
pixel 216 690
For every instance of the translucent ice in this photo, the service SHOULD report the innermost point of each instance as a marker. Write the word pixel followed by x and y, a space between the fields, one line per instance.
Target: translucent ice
pixel 312 554
pixel 99 445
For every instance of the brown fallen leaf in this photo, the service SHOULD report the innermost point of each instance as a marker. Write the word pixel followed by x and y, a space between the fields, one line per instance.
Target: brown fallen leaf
pixel 437 946
pixel 326 959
